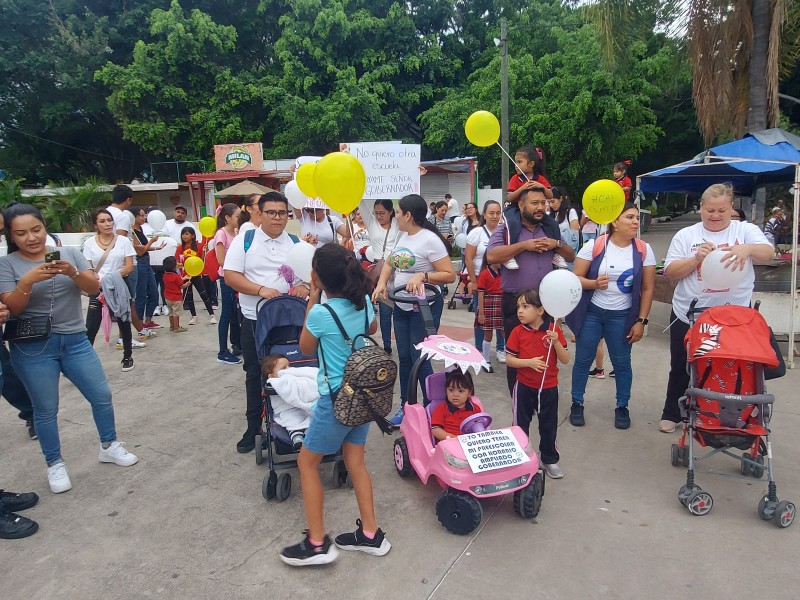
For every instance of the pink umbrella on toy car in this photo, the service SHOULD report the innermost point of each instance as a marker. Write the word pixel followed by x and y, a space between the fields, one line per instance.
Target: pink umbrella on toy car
pixel 460 354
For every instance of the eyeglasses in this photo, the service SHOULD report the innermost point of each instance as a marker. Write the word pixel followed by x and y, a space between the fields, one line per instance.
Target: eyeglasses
pixel 280 214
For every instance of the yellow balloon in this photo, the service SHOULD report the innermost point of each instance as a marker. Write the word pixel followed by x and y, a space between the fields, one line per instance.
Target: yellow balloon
pixel 603 201
pixel 208 226
pixel 193 266
pixel 482 128
pixel 340 181
pixel 304 176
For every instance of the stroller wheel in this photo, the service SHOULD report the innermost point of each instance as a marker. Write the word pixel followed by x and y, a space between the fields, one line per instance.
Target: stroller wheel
pixel 259 449
pixel 684 493
pixel 745 466
pixel 784 514
pixel 699 502
pixel 766 508
pixel 758 472
pixel 268 487
pixel 675 456
pixel 683 453
pixel 339 474
pixel 284 487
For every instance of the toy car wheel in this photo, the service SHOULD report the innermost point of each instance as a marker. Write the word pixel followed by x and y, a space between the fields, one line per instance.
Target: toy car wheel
pixel 528 500
pixel 766 508
pixel 458 511
pixel 784 514
pixel 451 304
pixel 758 471
pixel 339 474
pixel 471 308
pixel 401 461
pixel 284 487
pixel 675 455
pixel 699 502
pixel 269 486
pixel 259 449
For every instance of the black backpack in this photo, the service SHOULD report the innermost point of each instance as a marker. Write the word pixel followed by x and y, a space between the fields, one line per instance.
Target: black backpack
pixel 367 388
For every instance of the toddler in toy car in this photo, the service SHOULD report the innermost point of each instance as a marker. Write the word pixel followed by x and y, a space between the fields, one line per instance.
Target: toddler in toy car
pixel 447 418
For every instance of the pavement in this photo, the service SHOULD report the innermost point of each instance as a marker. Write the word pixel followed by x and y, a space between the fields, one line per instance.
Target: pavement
pixel 189 521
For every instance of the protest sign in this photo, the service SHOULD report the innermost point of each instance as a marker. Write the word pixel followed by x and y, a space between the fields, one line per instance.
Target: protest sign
pixel 392 168
pixel 492 449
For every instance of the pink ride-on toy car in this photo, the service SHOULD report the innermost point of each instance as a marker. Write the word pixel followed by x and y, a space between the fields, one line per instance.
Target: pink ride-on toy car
pixel 457 507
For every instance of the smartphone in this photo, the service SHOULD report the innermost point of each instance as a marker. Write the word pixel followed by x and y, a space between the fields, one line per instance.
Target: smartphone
pixel 51 256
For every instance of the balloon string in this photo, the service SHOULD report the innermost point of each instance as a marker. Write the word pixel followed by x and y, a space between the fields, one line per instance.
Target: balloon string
pixel 546 362
pixel 512 160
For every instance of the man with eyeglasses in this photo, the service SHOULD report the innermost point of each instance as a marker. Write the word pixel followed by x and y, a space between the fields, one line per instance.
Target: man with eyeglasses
pixel 253 272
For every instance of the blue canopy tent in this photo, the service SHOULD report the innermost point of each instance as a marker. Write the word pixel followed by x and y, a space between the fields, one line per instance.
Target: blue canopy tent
pixel 758 159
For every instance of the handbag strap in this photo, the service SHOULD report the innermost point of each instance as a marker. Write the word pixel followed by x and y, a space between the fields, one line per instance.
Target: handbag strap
pixel 103 258
pixel 385 240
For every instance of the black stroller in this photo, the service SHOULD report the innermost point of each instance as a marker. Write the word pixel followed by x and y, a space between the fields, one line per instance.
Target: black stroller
pixel 279 323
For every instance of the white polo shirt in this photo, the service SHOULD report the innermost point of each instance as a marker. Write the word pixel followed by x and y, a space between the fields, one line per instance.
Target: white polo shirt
pixel 121 220
pixel 259 264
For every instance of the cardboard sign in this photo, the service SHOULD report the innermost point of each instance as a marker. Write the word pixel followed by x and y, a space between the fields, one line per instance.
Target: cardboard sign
pixel 238 157
pixel 392 168
pixel 492 449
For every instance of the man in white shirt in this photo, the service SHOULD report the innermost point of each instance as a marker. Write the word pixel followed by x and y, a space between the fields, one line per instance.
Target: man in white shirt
pixel 253 272
pixel 744 243
pixel 173 226
pixel 452 207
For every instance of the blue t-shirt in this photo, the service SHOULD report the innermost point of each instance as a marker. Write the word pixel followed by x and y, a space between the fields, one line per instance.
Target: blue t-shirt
pixel 322 326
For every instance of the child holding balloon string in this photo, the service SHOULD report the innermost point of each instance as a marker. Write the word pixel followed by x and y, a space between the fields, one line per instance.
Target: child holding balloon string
pixel 187 249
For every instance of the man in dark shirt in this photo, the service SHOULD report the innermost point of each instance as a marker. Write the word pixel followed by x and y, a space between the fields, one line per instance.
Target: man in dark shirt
pixel 538 241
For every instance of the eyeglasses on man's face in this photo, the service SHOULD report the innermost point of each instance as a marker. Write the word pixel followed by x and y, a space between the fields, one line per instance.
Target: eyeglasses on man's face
pixel 276 214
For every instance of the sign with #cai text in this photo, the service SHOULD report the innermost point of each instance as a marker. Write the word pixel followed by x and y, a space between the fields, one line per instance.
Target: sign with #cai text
pixel 392 168
pixel 492 449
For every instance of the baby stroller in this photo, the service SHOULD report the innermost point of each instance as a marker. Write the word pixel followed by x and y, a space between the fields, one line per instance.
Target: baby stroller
pixel 279 322
pixel 464 295
pixel 726 407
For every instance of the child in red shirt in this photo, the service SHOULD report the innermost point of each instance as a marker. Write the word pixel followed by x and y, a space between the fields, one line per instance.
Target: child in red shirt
pixel 447 418
pixel 174 285
pixel 621 177
pixel 489 315
pixel 533 348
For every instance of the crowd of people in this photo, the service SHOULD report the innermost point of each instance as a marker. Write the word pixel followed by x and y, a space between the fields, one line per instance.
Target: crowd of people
pixel 508 252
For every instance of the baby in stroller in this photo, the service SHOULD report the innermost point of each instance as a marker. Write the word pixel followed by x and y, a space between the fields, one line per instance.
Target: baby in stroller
pixel 296 394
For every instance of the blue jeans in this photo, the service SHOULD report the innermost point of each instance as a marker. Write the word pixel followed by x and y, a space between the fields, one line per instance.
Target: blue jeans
pixel 146 291
pixel 500 344
pixel 409 330
pixel 39 366
pixel 228 317
pixel 609 325
pixel 385 312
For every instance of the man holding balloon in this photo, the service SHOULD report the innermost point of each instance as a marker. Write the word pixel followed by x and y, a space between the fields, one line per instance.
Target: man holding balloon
pixel 713 262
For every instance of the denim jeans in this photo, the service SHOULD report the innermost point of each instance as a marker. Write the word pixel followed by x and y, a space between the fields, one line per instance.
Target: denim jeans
pixel 12 389
pixel 385 312
pixel 228 317
pixel 409 330
pixel 146 291
pixel 609 325
pixel 39 365
pixel 500 344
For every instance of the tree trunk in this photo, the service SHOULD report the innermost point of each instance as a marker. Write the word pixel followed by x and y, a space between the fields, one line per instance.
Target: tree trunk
pixel 757 92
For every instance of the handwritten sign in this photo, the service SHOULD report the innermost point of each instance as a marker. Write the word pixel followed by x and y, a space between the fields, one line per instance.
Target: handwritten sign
pixel 392 168
pixel 492 449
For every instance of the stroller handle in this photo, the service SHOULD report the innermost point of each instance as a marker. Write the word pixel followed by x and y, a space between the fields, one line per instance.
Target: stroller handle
pixel 736 400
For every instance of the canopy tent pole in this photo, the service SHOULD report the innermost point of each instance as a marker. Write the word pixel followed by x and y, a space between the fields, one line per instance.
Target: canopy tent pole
pixel 793 303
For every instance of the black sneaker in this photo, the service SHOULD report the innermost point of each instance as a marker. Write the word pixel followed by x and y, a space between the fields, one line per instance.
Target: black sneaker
pixel 14 527
pixel 388 349
pixel 31 429
pixel 576 415
pixel 236 351
pixel 15 502
pixel 377 546
pixel 597 373
pixel 622 419
pixel 611 374
pixel 304 553
pixel 127 364
pixel 247 443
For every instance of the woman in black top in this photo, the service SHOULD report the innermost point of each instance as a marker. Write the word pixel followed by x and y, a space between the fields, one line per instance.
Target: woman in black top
pixel 146 287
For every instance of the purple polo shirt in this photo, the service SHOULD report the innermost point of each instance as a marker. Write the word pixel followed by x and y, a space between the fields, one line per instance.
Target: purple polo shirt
pixel 533 266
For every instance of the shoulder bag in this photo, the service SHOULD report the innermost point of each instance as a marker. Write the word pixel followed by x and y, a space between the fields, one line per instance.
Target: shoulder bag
pixel 373 272
pixel 31 329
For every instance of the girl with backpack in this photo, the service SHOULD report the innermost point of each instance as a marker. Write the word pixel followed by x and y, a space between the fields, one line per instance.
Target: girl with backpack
pixel 337 272
pixel 617 271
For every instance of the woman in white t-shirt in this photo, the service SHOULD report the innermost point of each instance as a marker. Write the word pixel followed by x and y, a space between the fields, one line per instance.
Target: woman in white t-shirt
pixel 119 258
pixel 317 227
pixel 745 242
pixel 617 272
pixel 420 256
pixel 360 234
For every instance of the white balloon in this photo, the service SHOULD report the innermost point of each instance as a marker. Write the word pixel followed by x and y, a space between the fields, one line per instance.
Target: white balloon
pixel 156 219
pixel 296 198
pixel 461 240
pixel 717 276
pixel 157 256
pixel 457 223
pixel 370 254
pixel 300 260
pixel 560 291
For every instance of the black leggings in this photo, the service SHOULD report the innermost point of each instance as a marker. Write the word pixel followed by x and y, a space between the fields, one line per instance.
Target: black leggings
pixel 94 316
pixel 678 369
pixel 508 304
pixel 188 299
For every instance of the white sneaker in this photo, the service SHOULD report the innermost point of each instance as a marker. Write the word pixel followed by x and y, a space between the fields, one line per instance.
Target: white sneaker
pixel 213 320
pixel 193 321
pixel 58 478
pixel 134 344
pixel 501 357
pixel 553 470
pixel 511 264
pixel 667 426
pixel 117 454
pixel 559 262
pixel 165 310
pixel 146 334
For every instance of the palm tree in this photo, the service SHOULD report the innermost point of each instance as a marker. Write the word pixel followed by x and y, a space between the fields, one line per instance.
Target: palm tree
pixel 72 211
pixel 735 49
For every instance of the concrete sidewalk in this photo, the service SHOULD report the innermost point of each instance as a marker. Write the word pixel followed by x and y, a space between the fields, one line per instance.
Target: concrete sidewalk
pixel 189 521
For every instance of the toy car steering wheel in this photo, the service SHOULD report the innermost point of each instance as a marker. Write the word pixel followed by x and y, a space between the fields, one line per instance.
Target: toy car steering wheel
pixel 476 423
pixel 399 294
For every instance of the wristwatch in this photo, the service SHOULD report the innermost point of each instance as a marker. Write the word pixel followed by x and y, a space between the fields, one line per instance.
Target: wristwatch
pixel 642 320
pixel 558 244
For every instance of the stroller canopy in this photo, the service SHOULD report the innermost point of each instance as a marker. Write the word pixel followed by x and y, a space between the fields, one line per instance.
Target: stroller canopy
pixel 731 332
